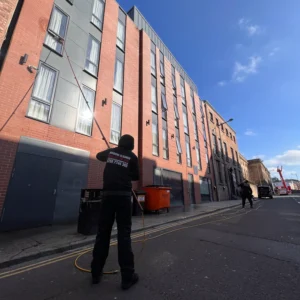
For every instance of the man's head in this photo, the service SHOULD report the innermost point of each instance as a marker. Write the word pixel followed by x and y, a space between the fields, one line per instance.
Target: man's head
pixel 246 181
pixel 127 142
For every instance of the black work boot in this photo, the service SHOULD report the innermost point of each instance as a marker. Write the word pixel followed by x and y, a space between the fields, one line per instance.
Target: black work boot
pixel 128 283
pixel 96 278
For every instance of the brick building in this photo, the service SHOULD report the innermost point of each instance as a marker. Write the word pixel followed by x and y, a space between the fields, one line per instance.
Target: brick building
pixel 132 82
pixel 225 158
pixel 258 173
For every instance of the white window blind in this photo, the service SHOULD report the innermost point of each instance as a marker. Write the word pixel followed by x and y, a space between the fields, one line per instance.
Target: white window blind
pixel 42 95
pixel 164 102
pixel 153 63
pixel 92 59
pixel 188 153
pixel 85 113
pixel 121 35
pixel 115 131
pixel 118 84
pixel 154 134
pixel 153 98
pixel 179 150
pixel 57 30
pixel 185 121
pixel 98 10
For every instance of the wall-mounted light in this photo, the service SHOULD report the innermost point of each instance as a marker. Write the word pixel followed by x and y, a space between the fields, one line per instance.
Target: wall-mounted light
pixel 23 59
pixel 147 122
pixel 104 102
pixel 172 136
pixel 194 148
pixel 31 68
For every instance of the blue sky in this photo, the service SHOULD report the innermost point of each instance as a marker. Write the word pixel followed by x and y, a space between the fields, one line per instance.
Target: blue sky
pixel 244 58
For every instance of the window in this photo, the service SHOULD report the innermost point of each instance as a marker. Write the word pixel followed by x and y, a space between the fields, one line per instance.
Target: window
pixel 154 95
pixel 188 151
pixel 176 109
pixel 226 151
pixel 195 128
pixel 237 157
pixel 211 117
pixel 198 155
pixel 98 11
pixel 219 171
pixel 57 30
pixel 207 160
pixel 185 120
pixel 173 81
pixel 118 82
pixel 226 131
pixel 165 140
pixel 221 148
pixel 230 135
pixel 153 59
pixel 234 138
pixel 42 95
pixel 193 102
pixel 215 146
pixel 232 155
pixel 121 35
pixel 154 134
pixel 225 174
pixel 222 127
pixel 164 102
pixel 92 59
pixel 115 131
pixel 178 146
pixel 182 89
pixel 217 122
pixel 85 113
pixel 162 69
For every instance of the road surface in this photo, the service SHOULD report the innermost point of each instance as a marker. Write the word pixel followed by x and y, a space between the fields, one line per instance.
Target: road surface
pixel 240 254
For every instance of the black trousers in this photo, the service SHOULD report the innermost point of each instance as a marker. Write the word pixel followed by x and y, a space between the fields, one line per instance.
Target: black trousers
pixel 249 199
pixel 114 207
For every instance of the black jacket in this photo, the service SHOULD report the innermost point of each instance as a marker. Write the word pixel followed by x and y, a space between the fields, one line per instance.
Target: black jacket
pixel 246 189
pixel 121 165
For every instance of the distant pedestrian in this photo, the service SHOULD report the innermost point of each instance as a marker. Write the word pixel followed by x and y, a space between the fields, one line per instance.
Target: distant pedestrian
pixel 121 168
pixel 246 192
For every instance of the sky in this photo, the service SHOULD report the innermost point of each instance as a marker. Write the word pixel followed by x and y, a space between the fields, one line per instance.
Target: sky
pixel 244 57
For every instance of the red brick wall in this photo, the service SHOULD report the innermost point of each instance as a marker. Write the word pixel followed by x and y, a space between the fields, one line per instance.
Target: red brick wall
pixel 15 81
pixel 7 8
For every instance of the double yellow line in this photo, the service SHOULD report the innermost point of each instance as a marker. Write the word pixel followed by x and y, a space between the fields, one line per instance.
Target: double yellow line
pixel 77 253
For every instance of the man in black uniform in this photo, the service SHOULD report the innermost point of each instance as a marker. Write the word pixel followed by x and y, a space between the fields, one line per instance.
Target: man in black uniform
pixel 246 193
pixel 121 168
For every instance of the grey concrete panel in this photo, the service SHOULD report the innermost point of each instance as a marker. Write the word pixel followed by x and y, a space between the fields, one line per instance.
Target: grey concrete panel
pixel 43 148
pixel 67 93
pixel 77 35
pixel 63 116
pixel 89 81
pixel 76 53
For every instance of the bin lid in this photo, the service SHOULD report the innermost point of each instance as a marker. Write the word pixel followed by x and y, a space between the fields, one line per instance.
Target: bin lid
pixel 158 186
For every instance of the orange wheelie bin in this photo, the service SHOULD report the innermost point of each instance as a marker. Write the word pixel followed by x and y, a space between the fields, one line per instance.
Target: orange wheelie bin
pixel 157 198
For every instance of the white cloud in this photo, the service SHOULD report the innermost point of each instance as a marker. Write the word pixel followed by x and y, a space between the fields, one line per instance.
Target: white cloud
pixel 261 156
pixel 286 173
pixel 250 132
pixel 252 29
pixel 222 83
pixel 241 71
pixel 288 158
pixel 273 52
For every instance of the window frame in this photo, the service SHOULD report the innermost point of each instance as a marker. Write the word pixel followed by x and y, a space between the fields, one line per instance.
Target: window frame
pixel 211 117
pixel 157 138
pixel 54 34
pixel 91 37
pixel 50 104
pixel 111 129
pixel 166 140
pixel 122 42
pixel 121 74
pixel 189 162
pixel 96 17
pixel 185 120
pixel 153 68
pixel 155 105
pixel 81 98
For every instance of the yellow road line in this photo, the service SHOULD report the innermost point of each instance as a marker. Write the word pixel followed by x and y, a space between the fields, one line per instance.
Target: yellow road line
pixel 113 242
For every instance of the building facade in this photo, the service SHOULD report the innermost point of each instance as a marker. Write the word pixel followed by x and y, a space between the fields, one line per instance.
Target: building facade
pixel 225 157
pixel 258 173
pixel 70 60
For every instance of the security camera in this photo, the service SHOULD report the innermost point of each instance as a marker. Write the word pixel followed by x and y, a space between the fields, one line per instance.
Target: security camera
pixel 31 68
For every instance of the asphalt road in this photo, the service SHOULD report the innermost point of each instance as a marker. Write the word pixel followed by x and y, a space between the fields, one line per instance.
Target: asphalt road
pixel 240 254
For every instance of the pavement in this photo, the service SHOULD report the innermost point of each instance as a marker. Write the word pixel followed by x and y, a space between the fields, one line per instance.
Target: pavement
pixel 241 254
pixel 20 246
